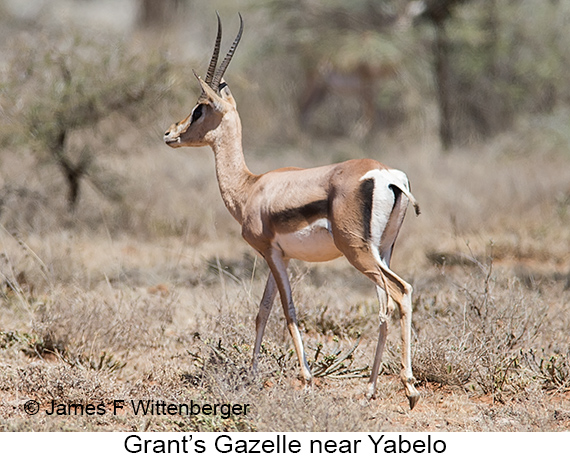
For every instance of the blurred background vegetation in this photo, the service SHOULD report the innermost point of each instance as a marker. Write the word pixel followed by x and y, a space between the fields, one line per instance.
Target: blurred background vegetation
pixel 80 77
pixel 464 70
pixel 88 87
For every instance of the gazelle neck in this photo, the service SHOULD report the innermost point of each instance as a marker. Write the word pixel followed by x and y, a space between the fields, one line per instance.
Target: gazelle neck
pixel 234 178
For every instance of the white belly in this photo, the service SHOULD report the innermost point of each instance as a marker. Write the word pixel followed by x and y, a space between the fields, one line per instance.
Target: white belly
pixel 313 243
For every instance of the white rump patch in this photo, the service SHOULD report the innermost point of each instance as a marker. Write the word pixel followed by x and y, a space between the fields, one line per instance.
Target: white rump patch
pixel 390 176
pixel 383 201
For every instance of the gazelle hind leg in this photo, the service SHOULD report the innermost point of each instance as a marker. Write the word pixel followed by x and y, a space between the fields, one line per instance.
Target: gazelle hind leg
pixel 401 292
pixel 262 316
pixel 397 291
pixel 385 310
pixel 278 267
pixel 406 374
pixel 367 244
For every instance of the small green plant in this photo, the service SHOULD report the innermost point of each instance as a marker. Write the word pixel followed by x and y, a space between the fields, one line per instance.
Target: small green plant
pixel 337 364
pixel 552 370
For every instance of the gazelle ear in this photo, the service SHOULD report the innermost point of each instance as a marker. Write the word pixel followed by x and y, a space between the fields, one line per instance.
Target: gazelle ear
pixel 209 94
pixel 226 93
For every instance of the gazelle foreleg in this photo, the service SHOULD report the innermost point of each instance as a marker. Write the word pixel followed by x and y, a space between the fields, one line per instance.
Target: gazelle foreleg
pixel 262 316
pixel 278 267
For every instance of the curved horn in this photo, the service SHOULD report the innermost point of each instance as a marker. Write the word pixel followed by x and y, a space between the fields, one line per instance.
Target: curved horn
pixel 214 59
pixel 224 65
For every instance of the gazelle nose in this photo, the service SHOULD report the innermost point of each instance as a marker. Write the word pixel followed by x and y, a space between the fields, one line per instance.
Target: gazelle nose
pixel 170 130
pixel 170 136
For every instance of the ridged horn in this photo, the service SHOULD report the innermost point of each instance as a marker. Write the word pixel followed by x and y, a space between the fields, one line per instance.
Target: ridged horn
pixel 214 59
pixel 224 65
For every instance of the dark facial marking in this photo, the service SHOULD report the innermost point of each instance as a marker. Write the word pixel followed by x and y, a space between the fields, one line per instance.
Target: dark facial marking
pixel 197 113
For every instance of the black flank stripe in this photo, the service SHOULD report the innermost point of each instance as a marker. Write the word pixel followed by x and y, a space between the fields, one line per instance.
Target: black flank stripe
pixel 366 194
pixel 313 210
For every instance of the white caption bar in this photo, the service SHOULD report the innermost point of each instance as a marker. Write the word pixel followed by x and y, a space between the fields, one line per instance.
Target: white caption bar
pixel 280 444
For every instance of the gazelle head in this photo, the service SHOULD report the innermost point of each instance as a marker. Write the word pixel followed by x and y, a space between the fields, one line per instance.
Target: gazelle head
pixel 200 127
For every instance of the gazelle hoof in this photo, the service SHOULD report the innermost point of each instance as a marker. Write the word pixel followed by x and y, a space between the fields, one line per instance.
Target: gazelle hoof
pixel 306 378
pixel 413 399
pixel 412 394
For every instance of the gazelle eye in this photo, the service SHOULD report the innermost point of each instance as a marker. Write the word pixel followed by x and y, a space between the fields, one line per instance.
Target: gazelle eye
pixel 197 113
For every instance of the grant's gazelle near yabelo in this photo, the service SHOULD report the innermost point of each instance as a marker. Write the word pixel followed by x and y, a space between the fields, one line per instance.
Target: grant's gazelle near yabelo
pixel 354 208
